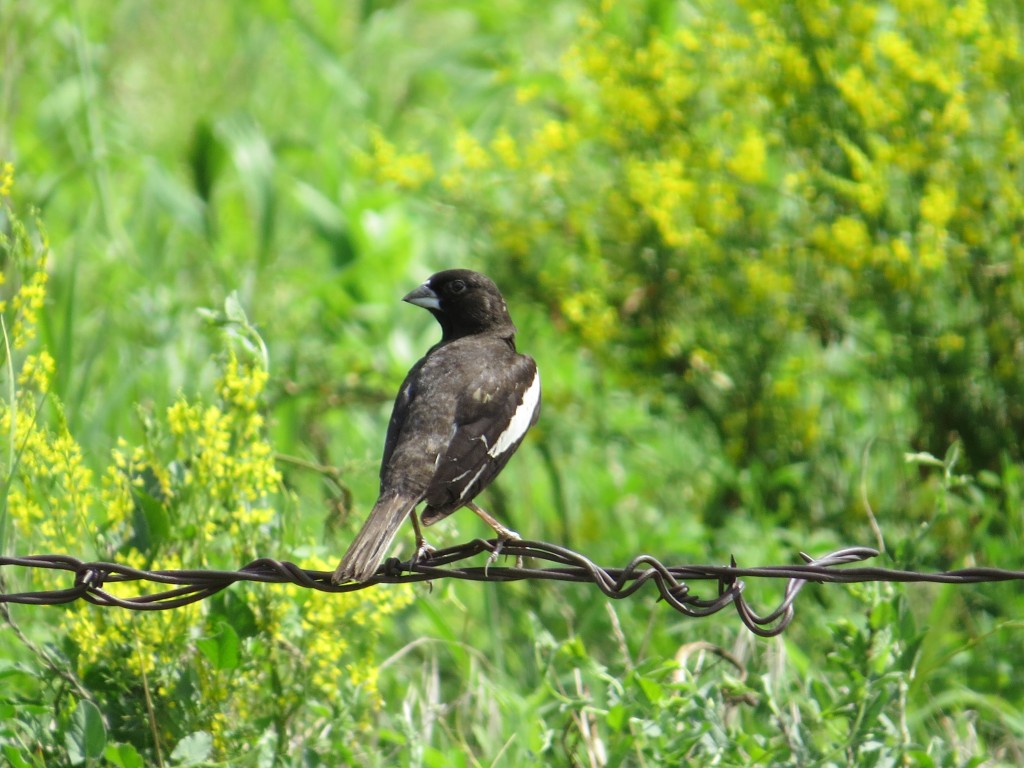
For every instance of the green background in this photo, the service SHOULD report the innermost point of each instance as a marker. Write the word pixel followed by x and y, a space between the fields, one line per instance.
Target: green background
pixel 768 257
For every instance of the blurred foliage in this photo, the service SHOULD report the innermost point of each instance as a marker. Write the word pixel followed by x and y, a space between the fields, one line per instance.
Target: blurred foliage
pixel 768 256
pixel 730 198
pixel 200 490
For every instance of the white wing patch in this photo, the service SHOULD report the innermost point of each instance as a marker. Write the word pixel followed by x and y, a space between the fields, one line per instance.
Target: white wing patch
pixel 472 482
pixel 520 419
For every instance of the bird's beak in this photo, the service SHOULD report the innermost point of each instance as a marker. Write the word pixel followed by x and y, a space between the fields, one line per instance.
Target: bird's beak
pixel 424 296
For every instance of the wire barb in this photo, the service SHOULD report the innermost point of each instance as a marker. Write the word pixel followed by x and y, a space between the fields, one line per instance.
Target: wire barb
pixel 93 579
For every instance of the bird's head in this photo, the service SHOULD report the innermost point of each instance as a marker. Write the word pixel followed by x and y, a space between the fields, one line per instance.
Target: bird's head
pixel 464 302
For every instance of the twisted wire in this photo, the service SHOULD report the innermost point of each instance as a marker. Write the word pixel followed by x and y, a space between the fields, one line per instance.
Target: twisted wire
pixel 183 587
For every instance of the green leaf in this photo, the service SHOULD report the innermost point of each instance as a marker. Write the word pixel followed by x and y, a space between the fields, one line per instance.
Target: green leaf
pixel 14 758
pixel 193 749
pixel 652 690
pixel 616 717
pixel 175 199
pixel 206 157
pixel 86 735
pixel 443 629
pixel 221 648
pixel 234 311
pixel 123 756
pixel 436 758
pixel 952 456
pixel 329 223
pixel 254 162
pixel 921 758
pixel 922 457
pixel 234 610
pixel 150 521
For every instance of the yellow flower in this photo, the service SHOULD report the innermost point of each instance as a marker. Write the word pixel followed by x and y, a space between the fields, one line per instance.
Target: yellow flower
pixel 876 106
pixel 897 49
pixel 405 170
pixel 527 93
pixel 748 163
pixel 6 179
pixel 967 18
pixel 796 66
pixel 930 252
pixel 687 38
pixel 956 117
pixel 900 251
pixel 938 204
pixel 766 282
pixel 506 149
pixel 469 150
pixel 851 240
pixel 950 342
pixel 37 372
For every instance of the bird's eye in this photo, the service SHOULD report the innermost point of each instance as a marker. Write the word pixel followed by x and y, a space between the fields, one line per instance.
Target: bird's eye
pixel 457 286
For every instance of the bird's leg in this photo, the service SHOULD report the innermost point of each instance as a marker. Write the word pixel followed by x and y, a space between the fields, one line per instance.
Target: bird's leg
pixel 504 534
pixel 423 550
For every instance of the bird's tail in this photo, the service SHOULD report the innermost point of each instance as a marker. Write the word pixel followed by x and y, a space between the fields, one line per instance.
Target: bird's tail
pixel 367 550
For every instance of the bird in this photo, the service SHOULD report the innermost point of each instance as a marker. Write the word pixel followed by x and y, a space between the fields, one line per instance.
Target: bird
pixel 460 414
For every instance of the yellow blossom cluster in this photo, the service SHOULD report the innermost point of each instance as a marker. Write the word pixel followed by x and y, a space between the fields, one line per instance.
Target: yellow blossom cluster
pixel 335 660
pixel 27 254
pixel 147 644
pixel 781 162
pixel 385 163
pixel 53 501
pixel 6 178
pixel 225 470
pixel 200 489
pixel 50 493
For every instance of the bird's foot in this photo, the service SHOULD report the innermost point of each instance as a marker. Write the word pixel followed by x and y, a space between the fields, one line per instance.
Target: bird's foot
pixel 423 554
pixel 504 535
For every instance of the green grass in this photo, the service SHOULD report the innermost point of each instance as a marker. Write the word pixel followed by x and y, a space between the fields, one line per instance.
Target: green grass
pixel 754 395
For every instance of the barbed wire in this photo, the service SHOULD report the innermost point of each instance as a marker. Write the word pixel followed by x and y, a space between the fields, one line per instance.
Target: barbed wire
pixel 190 586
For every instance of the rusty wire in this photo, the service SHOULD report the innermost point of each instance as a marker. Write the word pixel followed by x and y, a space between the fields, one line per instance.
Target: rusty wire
pixel 189 586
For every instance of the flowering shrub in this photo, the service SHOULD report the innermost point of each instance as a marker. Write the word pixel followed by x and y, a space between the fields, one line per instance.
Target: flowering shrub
pixel 200 490
pixel 719 192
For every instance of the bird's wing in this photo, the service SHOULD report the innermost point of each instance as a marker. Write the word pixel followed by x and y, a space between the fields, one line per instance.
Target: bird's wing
pixel 495 408
pixel 407 393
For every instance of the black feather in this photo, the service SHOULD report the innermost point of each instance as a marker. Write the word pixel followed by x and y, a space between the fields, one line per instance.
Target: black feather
pixel 460 414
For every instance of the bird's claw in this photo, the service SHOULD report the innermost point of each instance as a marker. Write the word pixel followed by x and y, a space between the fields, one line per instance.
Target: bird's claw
pixel 504 536
pixel 423 554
